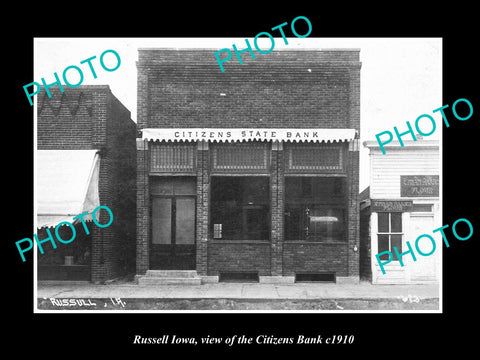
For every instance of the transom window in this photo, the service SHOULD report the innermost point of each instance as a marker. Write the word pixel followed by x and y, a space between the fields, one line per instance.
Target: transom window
pixel 172 157
pixel 250 157
pixel 308 158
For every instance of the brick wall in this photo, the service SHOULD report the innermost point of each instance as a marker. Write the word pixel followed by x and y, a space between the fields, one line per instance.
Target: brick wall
pixel 314 257
pixel 90 117
pixel 231 256
pixel 277 189
pixel 354 175
pixel 267 103
pixel 305 88
pixel 120 180
pixel 202 221
pixel 65 120
pixel 353 213
pixel 143 209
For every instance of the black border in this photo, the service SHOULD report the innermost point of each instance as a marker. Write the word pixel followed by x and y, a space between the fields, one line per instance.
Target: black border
pixel 375 334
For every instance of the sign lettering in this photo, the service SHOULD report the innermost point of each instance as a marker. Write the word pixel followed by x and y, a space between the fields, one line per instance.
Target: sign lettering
pixel 419 185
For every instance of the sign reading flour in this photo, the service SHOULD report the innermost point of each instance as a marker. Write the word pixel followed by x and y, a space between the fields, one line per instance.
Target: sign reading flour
pixel 419 185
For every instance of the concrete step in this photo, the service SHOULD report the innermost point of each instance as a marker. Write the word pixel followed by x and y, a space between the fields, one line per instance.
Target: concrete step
pixel 171 273
pixel 151 280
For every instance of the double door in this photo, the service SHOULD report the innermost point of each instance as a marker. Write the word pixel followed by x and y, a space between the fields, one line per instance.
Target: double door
pixel 173 232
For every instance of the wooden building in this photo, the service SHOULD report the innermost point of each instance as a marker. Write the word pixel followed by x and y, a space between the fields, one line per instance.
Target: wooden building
pixel 401 203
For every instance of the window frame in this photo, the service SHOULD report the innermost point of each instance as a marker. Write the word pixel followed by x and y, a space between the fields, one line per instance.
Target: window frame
pixel 211 224
pixel 177 192
pixel 175 158
pixel 292 168
pixel 258 149
pixel 390 233
pixel 331 203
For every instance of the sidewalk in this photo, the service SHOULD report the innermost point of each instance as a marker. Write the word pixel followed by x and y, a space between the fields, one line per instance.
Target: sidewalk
pixel 364 290
pixel 299 295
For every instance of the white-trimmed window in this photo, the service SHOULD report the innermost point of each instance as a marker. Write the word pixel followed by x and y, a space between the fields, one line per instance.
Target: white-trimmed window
pixel 390 233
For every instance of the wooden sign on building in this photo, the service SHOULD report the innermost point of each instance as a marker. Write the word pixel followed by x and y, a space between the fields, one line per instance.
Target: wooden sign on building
pixel 419 185
pixel 391 205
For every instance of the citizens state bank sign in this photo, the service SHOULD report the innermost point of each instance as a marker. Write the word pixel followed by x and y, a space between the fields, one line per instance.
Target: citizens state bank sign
pixel 241 134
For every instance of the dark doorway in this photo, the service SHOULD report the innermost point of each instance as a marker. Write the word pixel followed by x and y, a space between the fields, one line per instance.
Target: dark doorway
pixel 173 224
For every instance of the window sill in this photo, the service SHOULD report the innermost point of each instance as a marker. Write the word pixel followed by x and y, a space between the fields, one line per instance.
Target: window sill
pixel 394 264
pixel 226 241
pixel 333 242
pixel 63 265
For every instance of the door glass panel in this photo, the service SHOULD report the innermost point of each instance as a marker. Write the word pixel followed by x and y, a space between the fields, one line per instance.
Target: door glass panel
pixel 185 221
pixel 161 220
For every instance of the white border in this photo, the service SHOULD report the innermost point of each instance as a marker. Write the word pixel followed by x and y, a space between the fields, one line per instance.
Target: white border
pixel 89 47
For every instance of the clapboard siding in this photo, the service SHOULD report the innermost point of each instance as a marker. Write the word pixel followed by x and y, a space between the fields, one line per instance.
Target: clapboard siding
pixel 386 169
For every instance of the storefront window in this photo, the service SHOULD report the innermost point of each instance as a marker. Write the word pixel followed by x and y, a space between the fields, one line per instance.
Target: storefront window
pixel 389 233
pixel 240 208
pixel 315 208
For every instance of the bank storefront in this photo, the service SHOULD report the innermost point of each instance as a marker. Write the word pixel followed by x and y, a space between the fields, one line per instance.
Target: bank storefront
pixel 270 205
pixel 249 174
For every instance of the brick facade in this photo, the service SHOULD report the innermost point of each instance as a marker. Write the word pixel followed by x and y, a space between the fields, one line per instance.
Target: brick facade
pixel 143 208
pixel 90 117
pixel 203 196
pixel 277 186
pixel 284 89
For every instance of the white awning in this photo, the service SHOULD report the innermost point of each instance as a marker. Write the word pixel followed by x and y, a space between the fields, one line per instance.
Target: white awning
pixel 67 185
pixel 240 134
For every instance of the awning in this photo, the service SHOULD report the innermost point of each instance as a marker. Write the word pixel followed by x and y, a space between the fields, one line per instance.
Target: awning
pixel 67 185
pixel 240 134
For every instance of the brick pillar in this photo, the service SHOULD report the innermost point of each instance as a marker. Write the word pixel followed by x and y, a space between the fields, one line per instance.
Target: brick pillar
pixel 98 270
pixel 353 212
pixel 203 199
pixel 354 98
pixel 99 116
pixel 353 164
pixel 100 249
pixel 142 97
pixel 277 209
pixel 143 208
pixel 103 256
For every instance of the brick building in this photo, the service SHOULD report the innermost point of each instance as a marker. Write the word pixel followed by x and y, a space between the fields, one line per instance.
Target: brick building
pixel 251 173
pixel 85 158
